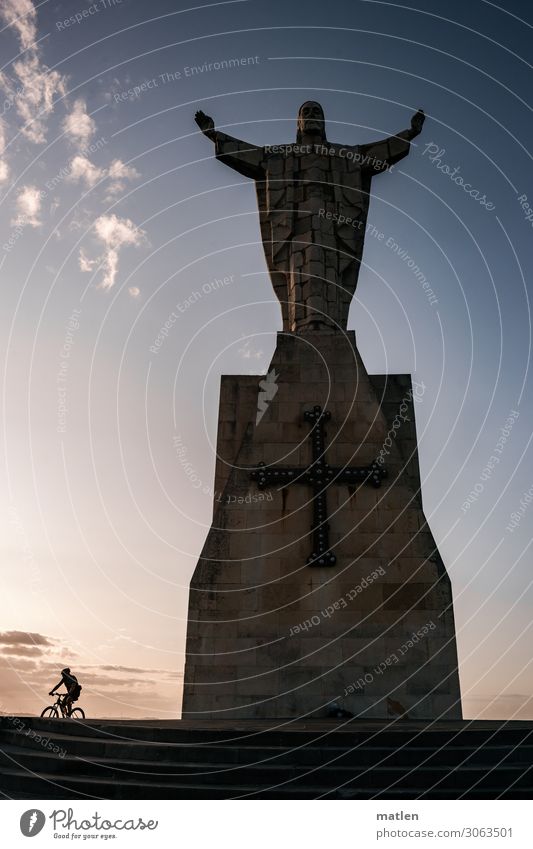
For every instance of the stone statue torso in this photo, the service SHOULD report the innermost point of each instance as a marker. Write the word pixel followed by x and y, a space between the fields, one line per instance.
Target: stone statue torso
pixel 313 204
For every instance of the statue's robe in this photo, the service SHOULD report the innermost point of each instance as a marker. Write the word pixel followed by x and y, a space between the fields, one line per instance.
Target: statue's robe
pixel 313 205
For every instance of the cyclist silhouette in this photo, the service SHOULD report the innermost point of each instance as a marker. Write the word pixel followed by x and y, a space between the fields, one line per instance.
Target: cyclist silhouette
pixel 72 687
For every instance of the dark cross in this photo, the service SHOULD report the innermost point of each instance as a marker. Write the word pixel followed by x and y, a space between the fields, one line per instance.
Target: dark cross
pixel 318 475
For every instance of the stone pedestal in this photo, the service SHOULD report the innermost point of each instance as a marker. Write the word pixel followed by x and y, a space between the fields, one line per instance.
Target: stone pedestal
pixel 270 636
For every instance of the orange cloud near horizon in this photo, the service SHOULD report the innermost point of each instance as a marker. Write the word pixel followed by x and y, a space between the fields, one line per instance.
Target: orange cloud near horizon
pixel 31 663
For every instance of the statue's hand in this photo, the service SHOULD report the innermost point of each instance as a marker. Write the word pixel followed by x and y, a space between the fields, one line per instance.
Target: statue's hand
pixel 206 124
pixel 417 122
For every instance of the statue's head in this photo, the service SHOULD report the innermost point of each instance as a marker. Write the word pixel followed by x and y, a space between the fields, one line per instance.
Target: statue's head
pixel 311 120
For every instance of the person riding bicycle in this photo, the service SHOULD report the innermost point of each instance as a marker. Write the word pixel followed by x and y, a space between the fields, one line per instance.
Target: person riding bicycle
pixel 73 688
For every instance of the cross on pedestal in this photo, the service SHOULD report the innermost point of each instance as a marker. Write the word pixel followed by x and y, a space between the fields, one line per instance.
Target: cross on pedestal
pixel 319 476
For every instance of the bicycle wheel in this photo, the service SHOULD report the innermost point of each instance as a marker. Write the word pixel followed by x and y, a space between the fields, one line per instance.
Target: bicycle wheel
pixel 77 713
pixel 50 713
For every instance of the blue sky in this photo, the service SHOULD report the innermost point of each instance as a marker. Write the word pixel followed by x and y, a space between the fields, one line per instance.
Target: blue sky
pixel 114 214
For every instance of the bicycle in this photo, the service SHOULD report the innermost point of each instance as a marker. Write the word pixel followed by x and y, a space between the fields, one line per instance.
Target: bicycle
pixel 53 711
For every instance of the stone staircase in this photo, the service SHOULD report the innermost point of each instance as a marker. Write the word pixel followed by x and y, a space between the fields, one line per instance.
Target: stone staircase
pixel 336 759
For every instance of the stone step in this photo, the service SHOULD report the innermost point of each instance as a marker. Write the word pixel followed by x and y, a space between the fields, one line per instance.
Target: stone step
pixel 133 760
pixel 360 755
pixel 492 792
pixel 323 733
pixel 267 774
pixel 55 786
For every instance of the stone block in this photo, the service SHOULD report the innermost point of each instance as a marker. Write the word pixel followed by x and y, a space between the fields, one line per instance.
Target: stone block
pixel 323 652
pixel 260 573
pixel 406 596
pixel 260 549
pixel 257 626
pixel 258 682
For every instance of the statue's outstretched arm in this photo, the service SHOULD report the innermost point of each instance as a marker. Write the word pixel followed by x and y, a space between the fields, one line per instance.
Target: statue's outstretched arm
pixel 242 156
pixel 378 156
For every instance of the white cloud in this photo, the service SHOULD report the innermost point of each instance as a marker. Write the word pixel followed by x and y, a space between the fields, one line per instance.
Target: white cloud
pixel 22 16
pixel 110 266
pixel 134 291
pixel 24 638
pixel 114 233
pixel 35 99
pixel 85 263
pixel 4 168
pixel 82 219
pixel 28 206
pixel 82 169
pixel 78 125
pixel 118 173
pixel 36 85
pixel 247 352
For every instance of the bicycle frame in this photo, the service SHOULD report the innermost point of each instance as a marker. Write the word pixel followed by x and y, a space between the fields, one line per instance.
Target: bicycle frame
pixel 59 709
pixel 60 704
